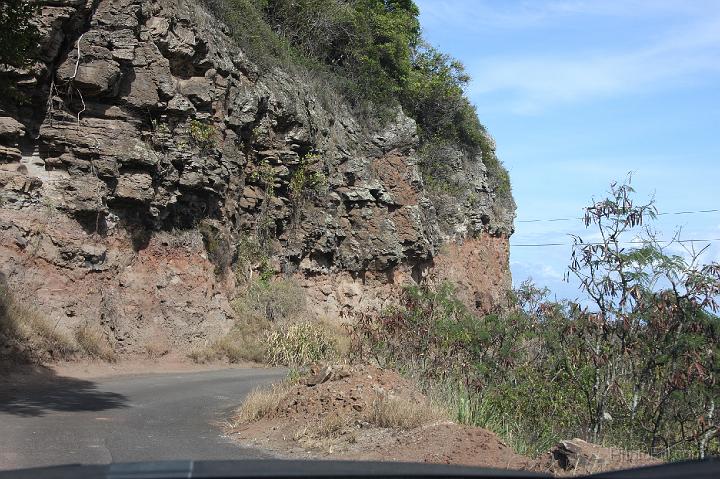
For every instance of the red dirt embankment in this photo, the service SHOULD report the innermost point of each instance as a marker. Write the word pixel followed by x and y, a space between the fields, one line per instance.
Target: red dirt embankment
pixel 367 413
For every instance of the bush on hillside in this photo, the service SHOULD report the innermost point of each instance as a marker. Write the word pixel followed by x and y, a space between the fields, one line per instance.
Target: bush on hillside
pixel 637 365
pixel 19 36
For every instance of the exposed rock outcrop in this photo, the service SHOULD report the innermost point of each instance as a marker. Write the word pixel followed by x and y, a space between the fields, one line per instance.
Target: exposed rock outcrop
pixel 142 121
pixel 575 457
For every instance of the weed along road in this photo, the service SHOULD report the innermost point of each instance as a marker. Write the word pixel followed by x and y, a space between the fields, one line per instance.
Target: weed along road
pixel 51 420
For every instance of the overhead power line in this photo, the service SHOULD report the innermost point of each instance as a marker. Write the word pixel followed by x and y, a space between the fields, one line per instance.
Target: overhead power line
pixel 580 218
pixel 527 245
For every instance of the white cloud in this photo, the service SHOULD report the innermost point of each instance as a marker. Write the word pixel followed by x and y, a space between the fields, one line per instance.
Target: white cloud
pixel 532 83
pixel 540 273
pixel 501 14
pixel 684 48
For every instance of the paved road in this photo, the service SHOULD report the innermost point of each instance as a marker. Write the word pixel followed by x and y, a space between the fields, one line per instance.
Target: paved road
pixel 54 420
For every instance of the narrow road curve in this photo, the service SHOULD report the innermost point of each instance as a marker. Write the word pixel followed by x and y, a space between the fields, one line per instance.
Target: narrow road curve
pixel 55 420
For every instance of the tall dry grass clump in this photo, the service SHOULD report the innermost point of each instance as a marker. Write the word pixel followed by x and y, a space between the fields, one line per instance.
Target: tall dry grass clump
pixel 93 344
pixel 403 413
pixel 261 403
pixel 29 335
pixel 274 327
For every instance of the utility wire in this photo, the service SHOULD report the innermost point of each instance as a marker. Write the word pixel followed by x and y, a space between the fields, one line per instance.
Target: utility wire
pixel 711 240
pixel 658 214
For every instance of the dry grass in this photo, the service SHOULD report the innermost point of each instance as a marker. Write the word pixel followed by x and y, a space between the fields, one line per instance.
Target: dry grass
pixel 25 329
pixel 275 328
pixel 201 356
pixel 45 337
pixel 156 349
pixel 228 348
pixel 261 403
pixel 402 413
pixel 277 301
pixel 295 344
pixel 92 343
pixel 244 343
pixel 299 344
pixel 331 426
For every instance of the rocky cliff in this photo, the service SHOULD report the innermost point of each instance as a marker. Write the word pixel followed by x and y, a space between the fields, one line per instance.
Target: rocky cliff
pixel 146 163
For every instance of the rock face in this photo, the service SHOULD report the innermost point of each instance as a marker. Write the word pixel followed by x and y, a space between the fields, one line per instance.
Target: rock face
pixel 146 140
pixel 576 457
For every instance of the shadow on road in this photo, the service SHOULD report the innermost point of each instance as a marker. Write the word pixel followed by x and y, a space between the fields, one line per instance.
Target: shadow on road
pixel 37 390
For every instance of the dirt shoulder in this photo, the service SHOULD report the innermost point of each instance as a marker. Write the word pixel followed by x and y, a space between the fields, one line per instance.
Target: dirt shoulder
pixel 367 413
pixel 364 413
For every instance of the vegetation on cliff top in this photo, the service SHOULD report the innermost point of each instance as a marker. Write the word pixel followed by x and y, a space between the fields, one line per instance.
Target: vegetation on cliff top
pixel 18 35
pixel 373 52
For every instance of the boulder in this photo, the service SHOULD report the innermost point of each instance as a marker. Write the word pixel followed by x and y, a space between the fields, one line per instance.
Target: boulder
pixel 135 186
pixel 582 457
pixel 10 128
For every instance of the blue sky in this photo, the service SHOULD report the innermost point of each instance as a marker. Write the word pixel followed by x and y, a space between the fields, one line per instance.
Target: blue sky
pixel 579 93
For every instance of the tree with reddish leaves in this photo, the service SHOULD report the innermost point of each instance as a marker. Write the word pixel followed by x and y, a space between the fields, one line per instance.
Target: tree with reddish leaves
pixel 649 329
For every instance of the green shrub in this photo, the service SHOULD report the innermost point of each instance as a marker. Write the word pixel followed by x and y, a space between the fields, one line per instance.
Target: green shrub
pixel 636 367
pixel 217 244
pixel 203 134
pixel 19 35
pixel 434 96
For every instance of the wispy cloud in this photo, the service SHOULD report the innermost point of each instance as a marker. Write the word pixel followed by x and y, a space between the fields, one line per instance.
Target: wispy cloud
pixel 532 83
pixel 559 63
pixel 681 50
pixel 502 14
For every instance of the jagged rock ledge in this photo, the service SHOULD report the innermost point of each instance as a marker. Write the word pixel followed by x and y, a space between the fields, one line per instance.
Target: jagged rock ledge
pixel 145 129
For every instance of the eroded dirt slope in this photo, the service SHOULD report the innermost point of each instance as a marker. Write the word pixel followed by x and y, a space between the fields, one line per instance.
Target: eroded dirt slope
pixel 367 413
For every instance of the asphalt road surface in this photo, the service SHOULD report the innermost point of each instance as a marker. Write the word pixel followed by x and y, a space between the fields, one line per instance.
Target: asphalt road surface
pixel 52 420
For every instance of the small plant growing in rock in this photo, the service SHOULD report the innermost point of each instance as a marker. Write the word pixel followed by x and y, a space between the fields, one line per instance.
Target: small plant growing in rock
pixel 264 174
pixel 203 134
pixel 160 127
pixel 306 181
pixel 473 200
pixel 160 132
pixel 217 245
